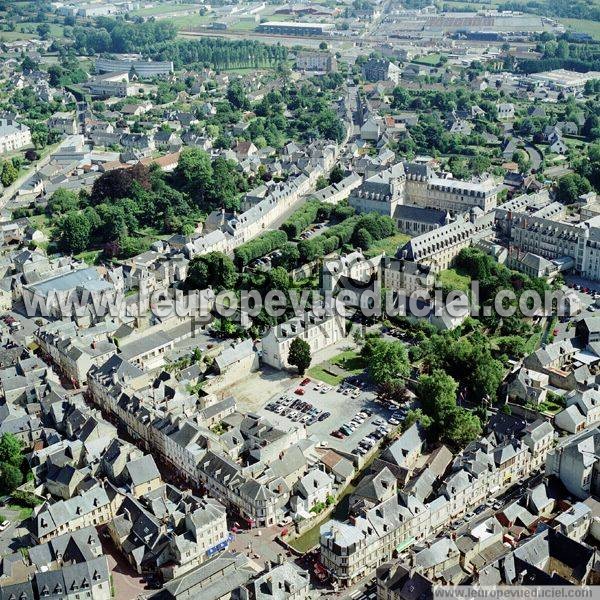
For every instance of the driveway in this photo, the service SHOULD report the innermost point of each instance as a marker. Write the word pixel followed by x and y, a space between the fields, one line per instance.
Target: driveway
pixel 535 157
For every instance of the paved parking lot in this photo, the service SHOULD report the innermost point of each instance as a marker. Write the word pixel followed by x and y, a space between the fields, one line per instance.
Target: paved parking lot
pixel 343 407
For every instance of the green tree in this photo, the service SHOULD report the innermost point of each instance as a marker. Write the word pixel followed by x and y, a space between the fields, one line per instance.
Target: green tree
pixel 28 64
pixel 299 355
pixel 11 448
pixel 74 232
pixel 463 427
pixel 363 239
pixel 479 164
pixel 437 394
pixel 289 257
pixel 10 477
pixel 237 96
pixel 417 416
pixel 571 186
pixel 197 355
pixel 321 182
pixel 62 201
pixel 336 175
pixel 456 425
pixel 215 270
pixel 43 30
pixel 386 361
pixel 9 174
pixel 513 345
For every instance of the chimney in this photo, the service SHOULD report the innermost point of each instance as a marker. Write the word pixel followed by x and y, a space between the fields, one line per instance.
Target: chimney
pixel 267 566
pixel 521 576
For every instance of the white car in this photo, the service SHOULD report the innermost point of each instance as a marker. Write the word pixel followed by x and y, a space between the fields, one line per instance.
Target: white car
pixel 4 525
pixel 393 421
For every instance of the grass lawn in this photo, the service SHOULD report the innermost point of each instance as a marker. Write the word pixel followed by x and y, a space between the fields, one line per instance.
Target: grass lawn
pixel 430 60
pixel 244 25
pixel 42 222
pixel 452 279
pixel 24 511
pixel 319 372
pixel 574 143
pixel 192 20
pixel 90 257
pixel 350 361
pixel 11 36
pixel 388 245
pixel 583 26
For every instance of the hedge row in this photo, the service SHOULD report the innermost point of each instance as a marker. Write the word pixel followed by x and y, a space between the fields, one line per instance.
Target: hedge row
pixel 334 238
pixel 306 215
pixel 263 244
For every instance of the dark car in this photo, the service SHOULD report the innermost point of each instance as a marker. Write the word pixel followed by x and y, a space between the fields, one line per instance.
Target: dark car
pixel 323 416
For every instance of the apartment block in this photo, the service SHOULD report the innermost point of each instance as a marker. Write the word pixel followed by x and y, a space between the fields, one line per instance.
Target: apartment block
pixel 13 136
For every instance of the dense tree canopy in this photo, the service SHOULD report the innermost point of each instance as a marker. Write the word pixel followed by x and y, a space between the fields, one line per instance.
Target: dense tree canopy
pixel 215 270
pixel 437 394
pixel 11 462
pixel 386 360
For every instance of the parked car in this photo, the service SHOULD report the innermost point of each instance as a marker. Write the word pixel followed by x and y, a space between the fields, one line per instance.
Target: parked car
pixel 299 391
pixel 305 381
pixel 324 416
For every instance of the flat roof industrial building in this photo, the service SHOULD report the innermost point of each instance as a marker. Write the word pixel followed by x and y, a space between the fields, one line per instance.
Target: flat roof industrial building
pixel 296 28
pixel 563 79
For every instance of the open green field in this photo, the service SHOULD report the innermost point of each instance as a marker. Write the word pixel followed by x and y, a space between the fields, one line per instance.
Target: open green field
pixel 244 25
pixel 431 60
pixel 28 30
pixel 388 245
pixel 583 26
pixel 192 20
pixel 13 36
